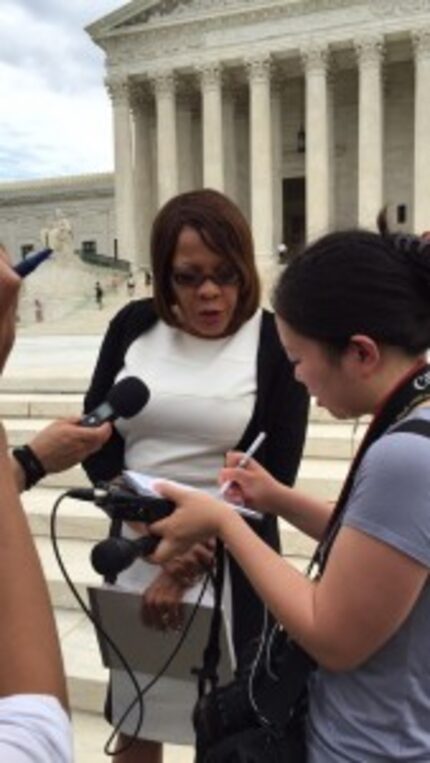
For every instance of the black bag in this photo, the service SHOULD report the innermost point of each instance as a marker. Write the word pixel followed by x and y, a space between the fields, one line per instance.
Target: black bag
pixel 259 717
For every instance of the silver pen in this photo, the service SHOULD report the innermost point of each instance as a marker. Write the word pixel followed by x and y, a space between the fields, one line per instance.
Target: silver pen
pixel 245 459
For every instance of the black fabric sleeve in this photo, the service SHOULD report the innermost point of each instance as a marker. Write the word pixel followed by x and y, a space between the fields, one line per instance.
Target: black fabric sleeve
pixel 126 326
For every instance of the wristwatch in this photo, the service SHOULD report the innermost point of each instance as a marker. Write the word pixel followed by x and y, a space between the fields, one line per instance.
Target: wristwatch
pixel 33 469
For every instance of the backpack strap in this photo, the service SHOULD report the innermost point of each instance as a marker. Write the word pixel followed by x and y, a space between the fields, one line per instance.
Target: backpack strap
pixel 414 426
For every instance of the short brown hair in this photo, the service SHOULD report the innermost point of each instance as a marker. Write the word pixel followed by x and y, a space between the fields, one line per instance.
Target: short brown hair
pixel 224 230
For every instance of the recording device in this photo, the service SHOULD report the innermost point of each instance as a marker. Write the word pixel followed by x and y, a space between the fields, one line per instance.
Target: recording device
pixel 125 399
pixel 31 262
pixel 120 504
pixel 113 555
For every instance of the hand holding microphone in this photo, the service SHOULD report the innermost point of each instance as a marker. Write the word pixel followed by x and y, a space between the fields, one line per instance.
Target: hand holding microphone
pixel 67 442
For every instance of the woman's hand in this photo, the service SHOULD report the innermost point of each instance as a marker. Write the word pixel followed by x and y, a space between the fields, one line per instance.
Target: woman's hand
pixel 162 603
pixel 251 486
pixel 197 517
pixel 188 568
pixel 65 443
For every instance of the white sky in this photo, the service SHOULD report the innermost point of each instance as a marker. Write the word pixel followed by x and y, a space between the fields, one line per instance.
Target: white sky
pixel 55 116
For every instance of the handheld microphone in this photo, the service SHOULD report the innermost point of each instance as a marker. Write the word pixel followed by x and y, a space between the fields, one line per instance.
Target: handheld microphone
pixel 125 399
pixel 113 555
pixel 31 262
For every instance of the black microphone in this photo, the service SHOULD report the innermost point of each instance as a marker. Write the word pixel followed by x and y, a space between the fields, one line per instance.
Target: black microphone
pixel 125 399
pixel 120 504
pixel 113 555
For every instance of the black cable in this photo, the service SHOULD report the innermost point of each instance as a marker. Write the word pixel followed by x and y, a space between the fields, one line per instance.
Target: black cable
pixel 140 693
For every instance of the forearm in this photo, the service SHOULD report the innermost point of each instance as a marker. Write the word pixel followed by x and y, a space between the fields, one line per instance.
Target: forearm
pixel 289 595
pixel 304 512
pixel 30 653
pixel 18 474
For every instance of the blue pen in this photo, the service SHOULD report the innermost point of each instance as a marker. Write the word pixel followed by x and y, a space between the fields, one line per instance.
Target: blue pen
pixel 31 262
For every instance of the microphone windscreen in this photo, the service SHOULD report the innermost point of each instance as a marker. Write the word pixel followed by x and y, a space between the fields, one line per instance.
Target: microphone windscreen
pixel 128 397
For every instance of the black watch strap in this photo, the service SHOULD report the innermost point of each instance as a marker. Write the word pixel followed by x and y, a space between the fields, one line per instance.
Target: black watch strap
pixel 31 466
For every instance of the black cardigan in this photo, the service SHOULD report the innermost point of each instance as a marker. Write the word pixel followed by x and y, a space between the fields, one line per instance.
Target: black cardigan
pixel 280 410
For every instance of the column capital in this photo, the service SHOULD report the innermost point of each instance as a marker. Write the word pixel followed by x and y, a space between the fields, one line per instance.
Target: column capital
pixel 210 74
pixel 164 82
pixel 118 89
pixel 369 49
pixel 140 97
pixel 315 57
pixel 421 44
pixel 259 68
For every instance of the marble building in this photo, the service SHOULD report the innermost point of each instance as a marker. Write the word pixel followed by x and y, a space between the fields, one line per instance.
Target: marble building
pixel 311 114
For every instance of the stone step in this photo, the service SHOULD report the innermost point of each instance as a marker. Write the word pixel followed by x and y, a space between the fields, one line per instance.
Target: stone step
pixel 323 440
pixel 38 405
pixel 25 395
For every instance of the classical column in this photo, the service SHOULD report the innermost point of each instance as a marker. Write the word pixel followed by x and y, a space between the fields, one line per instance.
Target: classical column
pixel 317 142
pixel 422 131
pixel 118 90
pixel 370 129
pixel 144 187
pixel 230 142
pixel 261 159
pixel 187 153
pixel 212 126
pixel 277 172
pixel 167 155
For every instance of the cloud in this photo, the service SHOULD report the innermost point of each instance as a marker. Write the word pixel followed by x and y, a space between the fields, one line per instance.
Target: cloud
pixel 55 117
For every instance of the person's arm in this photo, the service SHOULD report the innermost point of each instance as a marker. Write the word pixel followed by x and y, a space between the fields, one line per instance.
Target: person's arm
pixel 257 488
pixel 367 590
pixel 59 446
pixel 30 657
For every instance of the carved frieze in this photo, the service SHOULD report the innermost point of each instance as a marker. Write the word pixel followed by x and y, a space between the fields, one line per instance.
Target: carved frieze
pixel 391 8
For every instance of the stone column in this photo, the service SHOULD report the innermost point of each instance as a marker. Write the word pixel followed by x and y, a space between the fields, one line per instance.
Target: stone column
pixel 261 160
pixel 187 153
pixel 167 154
pixel 230 142
pixel 317 142
pixel 370 129
pixel 142 107
pixel 277 165
pixel 421 42
pixel 118 90
pixel 212 126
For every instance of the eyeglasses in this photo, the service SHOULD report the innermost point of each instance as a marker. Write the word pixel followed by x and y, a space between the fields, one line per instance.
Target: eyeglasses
pixel 193 279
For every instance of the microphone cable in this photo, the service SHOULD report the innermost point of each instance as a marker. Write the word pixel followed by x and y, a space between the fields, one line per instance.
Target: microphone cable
pixel 140 692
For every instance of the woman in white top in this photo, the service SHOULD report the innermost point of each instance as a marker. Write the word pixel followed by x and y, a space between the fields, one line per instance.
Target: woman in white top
pixel 211 359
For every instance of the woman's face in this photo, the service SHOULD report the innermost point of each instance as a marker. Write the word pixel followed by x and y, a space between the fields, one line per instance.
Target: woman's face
pixel 206 287
pixel 327 379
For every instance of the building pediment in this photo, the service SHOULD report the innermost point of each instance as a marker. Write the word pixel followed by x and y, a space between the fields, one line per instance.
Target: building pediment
pixel 147 13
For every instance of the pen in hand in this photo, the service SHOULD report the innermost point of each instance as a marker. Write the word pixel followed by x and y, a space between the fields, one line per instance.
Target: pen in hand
pixel 245 459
